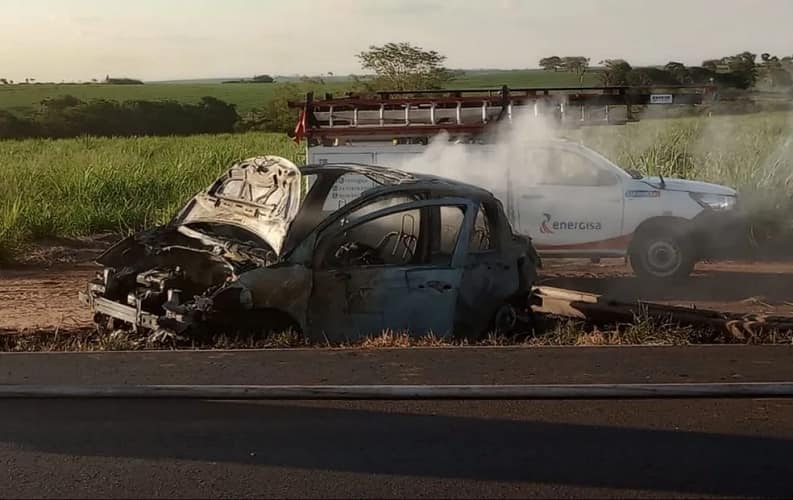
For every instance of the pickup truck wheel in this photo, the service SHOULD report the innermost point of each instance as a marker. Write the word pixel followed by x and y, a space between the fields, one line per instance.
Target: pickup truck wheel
pixel 662 254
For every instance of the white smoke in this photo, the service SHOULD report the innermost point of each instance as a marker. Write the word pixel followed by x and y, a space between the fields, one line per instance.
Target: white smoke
pixel 494 166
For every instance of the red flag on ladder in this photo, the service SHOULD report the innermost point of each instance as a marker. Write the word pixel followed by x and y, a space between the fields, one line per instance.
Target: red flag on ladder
pixel 300 129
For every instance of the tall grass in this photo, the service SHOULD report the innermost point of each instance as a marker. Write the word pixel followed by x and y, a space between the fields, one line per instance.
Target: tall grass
pixel 77 187
pixel 748 152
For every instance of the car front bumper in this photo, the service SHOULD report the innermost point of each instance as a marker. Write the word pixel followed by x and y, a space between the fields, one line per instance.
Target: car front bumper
pixel 134 316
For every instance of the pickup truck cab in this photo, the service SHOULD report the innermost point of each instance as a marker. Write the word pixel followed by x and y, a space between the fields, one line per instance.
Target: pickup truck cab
pixel 574 202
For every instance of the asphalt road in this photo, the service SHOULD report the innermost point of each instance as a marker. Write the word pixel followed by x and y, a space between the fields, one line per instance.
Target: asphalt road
pixel 198 449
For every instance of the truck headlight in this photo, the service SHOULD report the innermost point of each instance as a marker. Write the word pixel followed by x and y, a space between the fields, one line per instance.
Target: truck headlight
pixel 715 201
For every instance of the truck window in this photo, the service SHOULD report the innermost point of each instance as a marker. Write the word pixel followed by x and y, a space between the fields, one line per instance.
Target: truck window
pixel 568 168
pixel 346 188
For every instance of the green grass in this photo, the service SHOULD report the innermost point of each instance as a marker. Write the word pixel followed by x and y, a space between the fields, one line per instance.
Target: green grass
pixel 83 186
pixel 251 96
pixel 245 96
pixel 80 186
pixel 742 151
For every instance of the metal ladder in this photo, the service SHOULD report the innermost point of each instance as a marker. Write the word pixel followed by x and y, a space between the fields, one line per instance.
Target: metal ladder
pixel 469 112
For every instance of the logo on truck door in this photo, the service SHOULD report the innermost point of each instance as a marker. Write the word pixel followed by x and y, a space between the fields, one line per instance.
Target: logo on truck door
pixel 544 229
pixel 548 226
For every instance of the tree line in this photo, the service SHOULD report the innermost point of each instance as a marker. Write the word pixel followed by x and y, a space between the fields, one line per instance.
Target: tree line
pixel 68 116
pixel 392 66
pixel 108 80
pixel 740 71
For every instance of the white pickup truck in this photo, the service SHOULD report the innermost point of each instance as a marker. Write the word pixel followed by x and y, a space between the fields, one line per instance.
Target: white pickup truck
pixel 580 204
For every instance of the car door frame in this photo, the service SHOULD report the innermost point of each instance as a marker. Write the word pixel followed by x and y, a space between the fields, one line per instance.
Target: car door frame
pixel 326 307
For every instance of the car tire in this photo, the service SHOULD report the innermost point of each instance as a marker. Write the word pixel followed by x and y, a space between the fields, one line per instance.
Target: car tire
pixel 662 254
pixel 505 320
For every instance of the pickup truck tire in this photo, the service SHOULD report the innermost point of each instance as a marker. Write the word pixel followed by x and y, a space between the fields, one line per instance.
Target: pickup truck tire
pixel 662 253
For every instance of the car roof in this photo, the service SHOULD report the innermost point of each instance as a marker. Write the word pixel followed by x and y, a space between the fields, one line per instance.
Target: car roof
pixel 393 179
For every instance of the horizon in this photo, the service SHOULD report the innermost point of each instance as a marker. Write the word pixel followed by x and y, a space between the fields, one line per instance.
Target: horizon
pixel 198 39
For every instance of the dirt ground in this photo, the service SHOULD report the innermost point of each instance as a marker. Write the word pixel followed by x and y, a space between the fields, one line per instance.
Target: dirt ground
pixel 41 292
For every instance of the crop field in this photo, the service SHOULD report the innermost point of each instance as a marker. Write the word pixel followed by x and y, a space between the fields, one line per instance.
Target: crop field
pixel 75 187
pixel 83 186
pixel 248 96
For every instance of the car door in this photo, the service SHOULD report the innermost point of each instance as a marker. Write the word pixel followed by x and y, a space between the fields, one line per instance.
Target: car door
pixel 487 274
pixel 388 270
pixel 571 203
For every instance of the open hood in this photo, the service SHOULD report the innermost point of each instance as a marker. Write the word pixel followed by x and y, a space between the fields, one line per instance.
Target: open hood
pixel 260 194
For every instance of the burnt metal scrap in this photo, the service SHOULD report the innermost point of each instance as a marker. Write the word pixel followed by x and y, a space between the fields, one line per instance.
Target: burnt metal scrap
pixel 267 247
pixel 599 309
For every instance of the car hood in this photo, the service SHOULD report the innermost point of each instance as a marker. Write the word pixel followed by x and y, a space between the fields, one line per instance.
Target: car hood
pixel 689 186
pixel 260 194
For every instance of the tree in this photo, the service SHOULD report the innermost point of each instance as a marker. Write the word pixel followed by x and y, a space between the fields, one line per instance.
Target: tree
pixel 578 65
pixel 616 72
pixel 651 76
pixel 312 80
pixel 553 63
pixel 402 66
pixel 701 76
pixel 3 81
pixel 743 67
pixel 263 79
pixel 775 72
pixel 679 72
pixel 711 64
pixel 122 81
pixel 276 115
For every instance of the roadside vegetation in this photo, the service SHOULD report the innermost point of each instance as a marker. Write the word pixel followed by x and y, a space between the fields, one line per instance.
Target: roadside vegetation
pixel 549 332
pixel 83 186
pixel 89 184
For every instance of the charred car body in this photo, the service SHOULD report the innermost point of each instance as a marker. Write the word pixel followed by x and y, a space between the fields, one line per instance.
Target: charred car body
pixel 266 247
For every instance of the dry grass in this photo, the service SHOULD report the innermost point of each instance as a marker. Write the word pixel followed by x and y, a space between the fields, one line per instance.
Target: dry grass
pixel 644 330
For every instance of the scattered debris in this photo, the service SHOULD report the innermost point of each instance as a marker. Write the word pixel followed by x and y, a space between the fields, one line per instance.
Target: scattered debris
pixel 598 309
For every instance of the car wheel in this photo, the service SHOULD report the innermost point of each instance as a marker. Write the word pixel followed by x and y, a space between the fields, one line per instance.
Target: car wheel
pixel 505 320
pixel 662 254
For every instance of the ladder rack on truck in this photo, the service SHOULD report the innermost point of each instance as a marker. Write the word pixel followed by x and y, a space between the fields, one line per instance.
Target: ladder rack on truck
pixel 418 115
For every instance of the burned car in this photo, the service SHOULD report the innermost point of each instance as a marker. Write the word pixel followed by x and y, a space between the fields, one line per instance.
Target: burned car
pixel 269 246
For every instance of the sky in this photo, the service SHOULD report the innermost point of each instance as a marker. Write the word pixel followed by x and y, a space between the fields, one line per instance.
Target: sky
pixel 76 40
